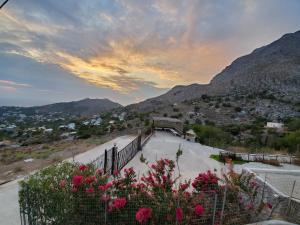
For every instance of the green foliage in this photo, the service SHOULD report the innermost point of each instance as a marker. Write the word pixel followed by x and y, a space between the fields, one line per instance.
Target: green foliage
pixel 290 141
pixel 42 188
pixel 293 124
pixel 210 135
pixel 236 161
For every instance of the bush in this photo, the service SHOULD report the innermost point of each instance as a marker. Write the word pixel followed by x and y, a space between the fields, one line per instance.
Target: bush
pixel 82 194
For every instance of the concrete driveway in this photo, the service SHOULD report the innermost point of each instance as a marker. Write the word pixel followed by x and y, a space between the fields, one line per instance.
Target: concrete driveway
pixel 195 156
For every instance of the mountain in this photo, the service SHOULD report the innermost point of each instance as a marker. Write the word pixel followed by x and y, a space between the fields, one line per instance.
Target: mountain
pixel 272 70
pixel 84 107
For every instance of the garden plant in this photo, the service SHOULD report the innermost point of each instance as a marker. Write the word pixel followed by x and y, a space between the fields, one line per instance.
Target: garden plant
pixel 69 193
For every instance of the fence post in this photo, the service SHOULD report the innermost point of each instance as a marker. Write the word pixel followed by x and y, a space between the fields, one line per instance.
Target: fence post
pixel 290 198
pixel 139 147
pixel 215 209
pixel 105 161
pixel 113 162
pixel 223 205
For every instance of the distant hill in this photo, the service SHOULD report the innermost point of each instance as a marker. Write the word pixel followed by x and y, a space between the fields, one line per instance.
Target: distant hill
pixel 272 70
pixel 84 107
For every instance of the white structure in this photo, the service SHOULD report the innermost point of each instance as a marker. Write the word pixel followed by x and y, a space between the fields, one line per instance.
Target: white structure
pixel 273 125
pixel 190 135
pixel 71 126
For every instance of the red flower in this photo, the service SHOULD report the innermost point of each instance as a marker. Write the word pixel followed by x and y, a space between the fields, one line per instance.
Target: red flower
pixel 90 190
pixel 119 203
pixel 143 214
pixel 105 187
pixel 74 189
pixel 269 205
pixel 184 186
pixel 83 167
pixel 179 214
pixel 62 183
pixel 90 179
pixel 77 180
pixel 199 210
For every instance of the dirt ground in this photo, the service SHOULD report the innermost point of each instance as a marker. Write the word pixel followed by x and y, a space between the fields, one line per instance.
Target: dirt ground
pixel 44 155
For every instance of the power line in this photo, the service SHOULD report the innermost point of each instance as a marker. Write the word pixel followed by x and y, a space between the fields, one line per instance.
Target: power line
pixel 1 6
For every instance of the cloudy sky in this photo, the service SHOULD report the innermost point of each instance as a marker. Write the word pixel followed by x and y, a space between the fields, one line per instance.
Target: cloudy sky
pixel 127 51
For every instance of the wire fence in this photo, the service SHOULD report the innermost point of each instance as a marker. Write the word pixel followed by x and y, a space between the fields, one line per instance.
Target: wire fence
pixel 221 207
pixel 281 189
pixel 259 157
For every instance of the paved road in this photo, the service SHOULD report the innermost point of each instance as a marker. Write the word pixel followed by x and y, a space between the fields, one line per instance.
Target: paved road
pixel 9 209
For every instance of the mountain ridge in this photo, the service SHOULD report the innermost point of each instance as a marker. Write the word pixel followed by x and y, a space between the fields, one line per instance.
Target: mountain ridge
pixel 272 69
pixel 83 107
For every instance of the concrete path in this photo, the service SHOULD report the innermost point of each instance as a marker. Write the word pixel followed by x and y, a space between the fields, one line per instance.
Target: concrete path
pixel 195 158
pixel 9 210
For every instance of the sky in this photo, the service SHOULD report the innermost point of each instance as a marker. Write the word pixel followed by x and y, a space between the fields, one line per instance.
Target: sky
pixel 127 51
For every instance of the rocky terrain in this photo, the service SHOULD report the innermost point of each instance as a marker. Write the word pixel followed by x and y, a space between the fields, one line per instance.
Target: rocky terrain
pixel 268 78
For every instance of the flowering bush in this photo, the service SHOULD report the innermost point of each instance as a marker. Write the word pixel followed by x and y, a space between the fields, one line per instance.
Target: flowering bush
pixel 83 194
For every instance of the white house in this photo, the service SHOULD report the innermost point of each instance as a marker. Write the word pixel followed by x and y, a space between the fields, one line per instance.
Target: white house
pixel 274 125
pixel 71 126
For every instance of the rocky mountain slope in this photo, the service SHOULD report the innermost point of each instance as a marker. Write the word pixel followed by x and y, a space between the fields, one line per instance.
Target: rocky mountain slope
pixel 272 70
pixel 84 107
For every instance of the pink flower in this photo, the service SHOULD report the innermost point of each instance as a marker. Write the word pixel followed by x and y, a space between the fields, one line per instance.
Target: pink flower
pixel 90 179
pixel 119 203
pixel 74 189
pixel 83 167
pixel 105 187
pixel 199 210
pixel 184 186
pixel 99 171
pixel 62 183
pixel 143 214
pixel 90 190
pixel 249 206
pixel 77 180
pixel 179 214
pixel 269 205
pixel 116 173
pixel 105 198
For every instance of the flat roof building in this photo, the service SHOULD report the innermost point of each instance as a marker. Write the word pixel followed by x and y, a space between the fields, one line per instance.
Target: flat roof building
pixel 167 122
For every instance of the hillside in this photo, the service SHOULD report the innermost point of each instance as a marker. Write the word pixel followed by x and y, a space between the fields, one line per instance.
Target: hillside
pixel 272 71
pixel 84 107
